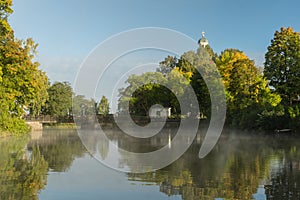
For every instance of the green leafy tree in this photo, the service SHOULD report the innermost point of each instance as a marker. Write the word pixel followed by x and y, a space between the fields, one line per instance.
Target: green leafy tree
pixel 167 65
pixel 282 64
pixel 60 99
pixel 242 78
pixel 153 88
pixel 103 106
pixel 200 65
pixel 143 91
pixel 23 86
pixel 83 106
pixel 177 74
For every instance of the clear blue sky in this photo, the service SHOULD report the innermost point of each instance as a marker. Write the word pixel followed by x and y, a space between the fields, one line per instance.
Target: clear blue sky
pixel 67 30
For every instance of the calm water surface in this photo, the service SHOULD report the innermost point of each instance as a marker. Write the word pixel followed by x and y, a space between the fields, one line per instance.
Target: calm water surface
pixel 54 165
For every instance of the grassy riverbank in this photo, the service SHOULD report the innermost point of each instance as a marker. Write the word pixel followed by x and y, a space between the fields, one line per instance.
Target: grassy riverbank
pixel 61 126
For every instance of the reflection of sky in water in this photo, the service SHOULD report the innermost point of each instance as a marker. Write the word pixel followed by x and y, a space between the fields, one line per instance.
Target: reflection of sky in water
pixel 88 180
pixel 275 166
pixel 260 195
pixel 111 152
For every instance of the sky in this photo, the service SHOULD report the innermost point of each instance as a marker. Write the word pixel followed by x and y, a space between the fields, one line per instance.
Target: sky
pixel 68 30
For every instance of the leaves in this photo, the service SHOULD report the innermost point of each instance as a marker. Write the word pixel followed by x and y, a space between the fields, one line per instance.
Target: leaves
pixel 169 83
pixel 103 106
pixel 60 99
pixel 23 86
pixel 282 65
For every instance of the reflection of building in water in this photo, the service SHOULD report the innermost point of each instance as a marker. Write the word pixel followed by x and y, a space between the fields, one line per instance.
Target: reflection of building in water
pixel 163 139
pixel 169 189
pixel 103 147
pixel 169 141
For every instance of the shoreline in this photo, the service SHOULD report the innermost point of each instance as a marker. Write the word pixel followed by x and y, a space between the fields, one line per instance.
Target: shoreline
pixel 171 123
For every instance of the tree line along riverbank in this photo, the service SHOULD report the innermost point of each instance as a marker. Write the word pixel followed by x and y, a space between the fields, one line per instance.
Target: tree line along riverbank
pixel 257 97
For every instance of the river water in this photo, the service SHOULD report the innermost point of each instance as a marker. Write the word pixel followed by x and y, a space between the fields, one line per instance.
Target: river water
pixel 53 165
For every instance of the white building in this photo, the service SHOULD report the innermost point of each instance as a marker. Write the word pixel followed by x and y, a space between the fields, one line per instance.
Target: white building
pixel 157 112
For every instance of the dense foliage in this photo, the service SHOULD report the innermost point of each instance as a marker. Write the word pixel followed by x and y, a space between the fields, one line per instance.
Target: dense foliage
pixel 282 64
pixel 282 69
pixel 254 99
pixel 22 84
pixel 59 102
pixel 169 83
pixel 247 92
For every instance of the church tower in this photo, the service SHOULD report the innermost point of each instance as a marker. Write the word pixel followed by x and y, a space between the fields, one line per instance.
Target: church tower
pixel 203 41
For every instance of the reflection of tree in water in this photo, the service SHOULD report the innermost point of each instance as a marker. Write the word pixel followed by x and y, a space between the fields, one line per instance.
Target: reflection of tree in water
pixel 24 166
pixel 59 148
pixel 285 173
pixel 284 185
pixel 22 175
pixel 234 170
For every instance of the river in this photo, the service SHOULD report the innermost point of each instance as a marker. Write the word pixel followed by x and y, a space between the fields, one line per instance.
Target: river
pixel 54 164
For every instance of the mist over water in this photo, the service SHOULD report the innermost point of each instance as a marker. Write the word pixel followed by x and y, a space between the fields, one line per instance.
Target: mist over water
pixel 241 166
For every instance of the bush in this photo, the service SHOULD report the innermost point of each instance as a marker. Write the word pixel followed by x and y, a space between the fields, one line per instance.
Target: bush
pixel 280 117
pixel 294 115
pixel 11 125
pixel 272 119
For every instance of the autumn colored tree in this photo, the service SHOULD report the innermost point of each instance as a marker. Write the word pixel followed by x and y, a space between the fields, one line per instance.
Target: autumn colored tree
pixel 23 86
pixel 247 91
pixel 225 62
